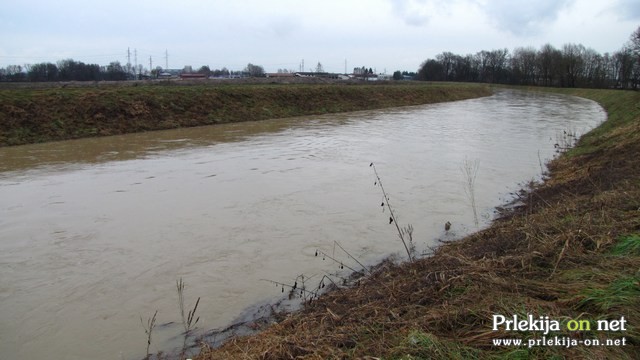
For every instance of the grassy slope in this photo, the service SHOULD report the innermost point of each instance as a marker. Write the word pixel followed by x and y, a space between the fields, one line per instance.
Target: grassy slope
pixel 571 252
pixel 31 115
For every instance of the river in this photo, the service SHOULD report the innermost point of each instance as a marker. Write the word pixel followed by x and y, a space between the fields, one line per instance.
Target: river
pixel 94 233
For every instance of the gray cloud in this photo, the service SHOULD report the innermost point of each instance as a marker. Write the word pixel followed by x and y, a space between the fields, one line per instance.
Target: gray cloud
pixel 392 34
pixel 523 17
pixel 519 17
pixel 413 12
pixel 627 9
pixel 284 27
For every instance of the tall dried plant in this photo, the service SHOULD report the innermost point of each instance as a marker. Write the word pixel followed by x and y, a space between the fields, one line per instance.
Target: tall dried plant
pixel 470 170
pixel 402 233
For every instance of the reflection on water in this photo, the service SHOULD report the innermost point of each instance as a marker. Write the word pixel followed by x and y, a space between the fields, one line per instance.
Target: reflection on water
pixel 95 232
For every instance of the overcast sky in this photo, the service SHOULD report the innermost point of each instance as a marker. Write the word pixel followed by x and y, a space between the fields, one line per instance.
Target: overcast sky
pixel 382 34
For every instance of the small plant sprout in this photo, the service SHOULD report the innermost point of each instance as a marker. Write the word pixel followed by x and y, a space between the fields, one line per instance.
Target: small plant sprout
pixel 148 329
pixel 408 231
pixel 187 321
pixel 565 140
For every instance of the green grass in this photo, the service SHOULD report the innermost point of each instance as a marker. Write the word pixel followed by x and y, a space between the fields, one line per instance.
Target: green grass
pixel 623 292
pixel 627 246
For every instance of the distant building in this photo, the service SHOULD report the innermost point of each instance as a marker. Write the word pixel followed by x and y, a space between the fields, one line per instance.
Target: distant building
pixel 280 75
pixel 193 76
pixel 325 75
pixel 367 77
pixel 169 73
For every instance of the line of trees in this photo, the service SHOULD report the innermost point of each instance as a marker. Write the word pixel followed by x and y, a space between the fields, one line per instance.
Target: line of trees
pixel 71 70
pixel 66 70
pixel 571 66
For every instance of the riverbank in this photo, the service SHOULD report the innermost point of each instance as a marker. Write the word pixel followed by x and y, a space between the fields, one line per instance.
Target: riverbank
pixel 40 114
pixel 569 254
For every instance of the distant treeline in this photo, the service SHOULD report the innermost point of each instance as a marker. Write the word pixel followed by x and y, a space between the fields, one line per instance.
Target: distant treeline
pixel 71 70
pixel 571 66
pixel 65 70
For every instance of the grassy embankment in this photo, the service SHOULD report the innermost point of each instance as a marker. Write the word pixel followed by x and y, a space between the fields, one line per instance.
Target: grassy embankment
pixel 32 115
pixel 572 252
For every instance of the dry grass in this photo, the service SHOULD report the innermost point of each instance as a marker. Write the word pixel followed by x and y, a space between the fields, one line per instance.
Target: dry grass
pixel 557 255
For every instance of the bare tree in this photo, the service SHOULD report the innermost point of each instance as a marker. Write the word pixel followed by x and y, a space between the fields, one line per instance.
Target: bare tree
pixel 549 65
pixel 497 64
pixel 624 62
pixel 634 45
pixel 635 41
pixel 204 69
pixel 254 70
pixel 523 65
pixel 572 55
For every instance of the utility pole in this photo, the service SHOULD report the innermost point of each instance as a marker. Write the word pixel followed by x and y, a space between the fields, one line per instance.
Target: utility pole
pixel 135 59
pixel 128 61
pixel 150 64
pixel 166 59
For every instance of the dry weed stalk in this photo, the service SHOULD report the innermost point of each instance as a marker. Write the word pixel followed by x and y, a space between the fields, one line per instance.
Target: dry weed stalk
pixel 305 294
pixel 392 217
pixel 353 258
pixel 300 289
pixel 342 265
pixel 542 172
pixel 470 169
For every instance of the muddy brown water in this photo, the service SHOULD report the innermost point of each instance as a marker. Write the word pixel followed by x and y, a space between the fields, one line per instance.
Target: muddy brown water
pixel 94 233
